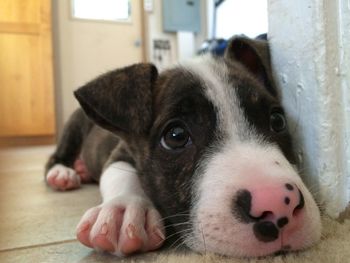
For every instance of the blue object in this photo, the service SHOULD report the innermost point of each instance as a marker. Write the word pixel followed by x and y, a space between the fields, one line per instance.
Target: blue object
pixel 214 46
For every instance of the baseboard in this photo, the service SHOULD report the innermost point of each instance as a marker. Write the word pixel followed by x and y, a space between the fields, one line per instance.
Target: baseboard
pixel 26 141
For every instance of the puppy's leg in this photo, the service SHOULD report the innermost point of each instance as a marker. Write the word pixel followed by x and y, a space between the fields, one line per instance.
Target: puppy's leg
pixel 64 170
pixel 126 221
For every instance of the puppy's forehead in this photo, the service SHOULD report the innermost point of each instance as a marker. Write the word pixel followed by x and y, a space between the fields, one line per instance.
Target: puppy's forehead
pixel 235 96
pixel 221 83
pixel 179 92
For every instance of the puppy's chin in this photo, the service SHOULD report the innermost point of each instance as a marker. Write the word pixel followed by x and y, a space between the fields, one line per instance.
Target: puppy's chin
pixel 275 213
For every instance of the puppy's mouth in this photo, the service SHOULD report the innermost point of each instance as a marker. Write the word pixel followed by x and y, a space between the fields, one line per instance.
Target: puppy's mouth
pixel 283 251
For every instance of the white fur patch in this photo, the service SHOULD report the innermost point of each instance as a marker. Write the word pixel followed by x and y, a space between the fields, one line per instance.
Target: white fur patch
pixel 120 179
pixel 252 167
pixel 126 221
pixel 63 178
pixel 231 121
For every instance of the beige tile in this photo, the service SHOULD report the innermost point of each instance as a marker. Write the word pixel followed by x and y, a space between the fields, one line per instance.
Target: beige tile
pixel 33 214
pixel 24 158
pixel 38 224
pixel 67 252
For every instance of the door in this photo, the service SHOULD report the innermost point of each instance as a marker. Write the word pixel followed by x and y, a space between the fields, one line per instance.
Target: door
pixel 26 83
pixel 86 48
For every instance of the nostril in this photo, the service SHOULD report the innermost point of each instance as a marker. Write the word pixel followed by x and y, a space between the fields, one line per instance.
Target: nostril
pixel 282 222
pixel 289 187
pixel 287 200
pixel 241 208
pixel 264 215
pixel 301 204
pixel 265 231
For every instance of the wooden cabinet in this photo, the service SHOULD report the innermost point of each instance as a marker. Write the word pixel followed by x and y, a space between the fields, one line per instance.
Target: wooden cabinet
pixel 26 71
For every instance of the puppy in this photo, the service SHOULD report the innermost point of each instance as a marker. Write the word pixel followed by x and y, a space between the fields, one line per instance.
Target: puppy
pixel 200 151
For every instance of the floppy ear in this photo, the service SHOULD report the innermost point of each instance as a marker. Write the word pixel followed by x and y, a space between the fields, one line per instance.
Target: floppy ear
pixel 121 100
pixel 254 54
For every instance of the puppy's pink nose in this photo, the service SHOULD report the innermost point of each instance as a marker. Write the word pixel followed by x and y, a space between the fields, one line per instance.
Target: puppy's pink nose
pixel 275 202
pixel 272 208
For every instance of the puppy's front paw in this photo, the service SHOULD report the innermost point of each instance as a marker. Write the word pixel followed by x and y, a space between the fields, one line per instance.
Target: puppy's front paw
pixel 60 177
pixel 122 226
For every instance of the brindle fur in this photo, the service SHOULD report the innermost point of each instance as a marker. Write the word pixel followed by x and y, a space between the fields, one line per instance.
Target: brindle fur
pixel 133 105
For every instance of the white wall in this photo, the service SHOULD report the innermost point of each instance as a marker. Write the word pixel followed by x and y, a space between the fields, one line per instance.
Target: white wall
pixel 343 10
pixel 310 52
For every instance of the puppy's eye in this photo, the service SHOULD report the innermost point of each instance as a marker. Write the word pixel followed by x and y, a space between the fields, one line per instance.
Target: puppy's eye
pixel 175 137
pixel 278 122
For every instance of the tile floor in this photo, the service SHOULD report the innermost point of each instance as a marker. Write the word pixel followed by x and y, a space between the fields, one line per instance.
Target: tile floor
pixel 36 223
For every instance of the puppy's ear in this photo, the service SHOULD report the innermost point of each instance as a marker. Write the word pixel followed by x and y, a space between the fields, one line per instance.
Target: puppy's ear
pixel 121 100
pixel 254 54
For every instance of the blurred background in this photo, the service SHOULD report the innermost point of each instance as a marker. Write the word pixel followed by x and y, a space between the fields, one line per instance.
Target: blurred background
pixel 50 48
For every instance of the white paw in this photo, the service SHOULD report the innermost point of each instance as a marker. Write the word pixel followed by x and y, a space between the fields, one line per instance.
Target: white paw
pixel 122 226
pixel 60 177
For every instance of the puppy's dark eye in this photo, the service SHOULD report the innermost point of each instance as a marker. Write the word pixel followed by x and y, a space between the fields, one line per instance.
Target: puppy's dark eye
pixel 278 122
pixel 175 137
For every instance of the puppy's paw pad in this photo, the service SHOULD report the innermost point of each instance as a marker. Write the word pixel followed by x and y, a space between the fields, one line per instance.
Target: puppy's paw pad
pixel 102 244
pixel 83 232
pixel 156 237
pixel 62 178
pixel 122 226
pixel 133 242
pixel 85 225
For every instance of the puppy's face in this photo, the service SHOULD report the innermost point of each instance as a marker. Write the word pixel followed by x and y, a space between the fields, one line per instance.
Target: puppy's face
pixel 220 163
pixel 215 156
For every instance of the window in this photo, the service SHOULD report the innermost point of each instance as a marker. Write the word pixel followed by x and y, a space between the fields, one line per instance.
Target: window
pixel 247 17
pixel 107 10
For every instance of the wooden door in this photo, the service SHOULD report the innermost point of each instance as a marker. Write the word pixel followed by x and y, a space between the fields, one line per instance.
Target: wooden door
pixel 26 80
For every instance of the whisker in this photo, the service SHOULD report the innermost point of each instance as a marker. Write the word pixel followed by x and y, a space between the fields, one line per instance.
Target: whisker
pixel 202 232
pixel 181 243
pixel 178 232
pixel 177 224
pixel 176 241
pixel 172 216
